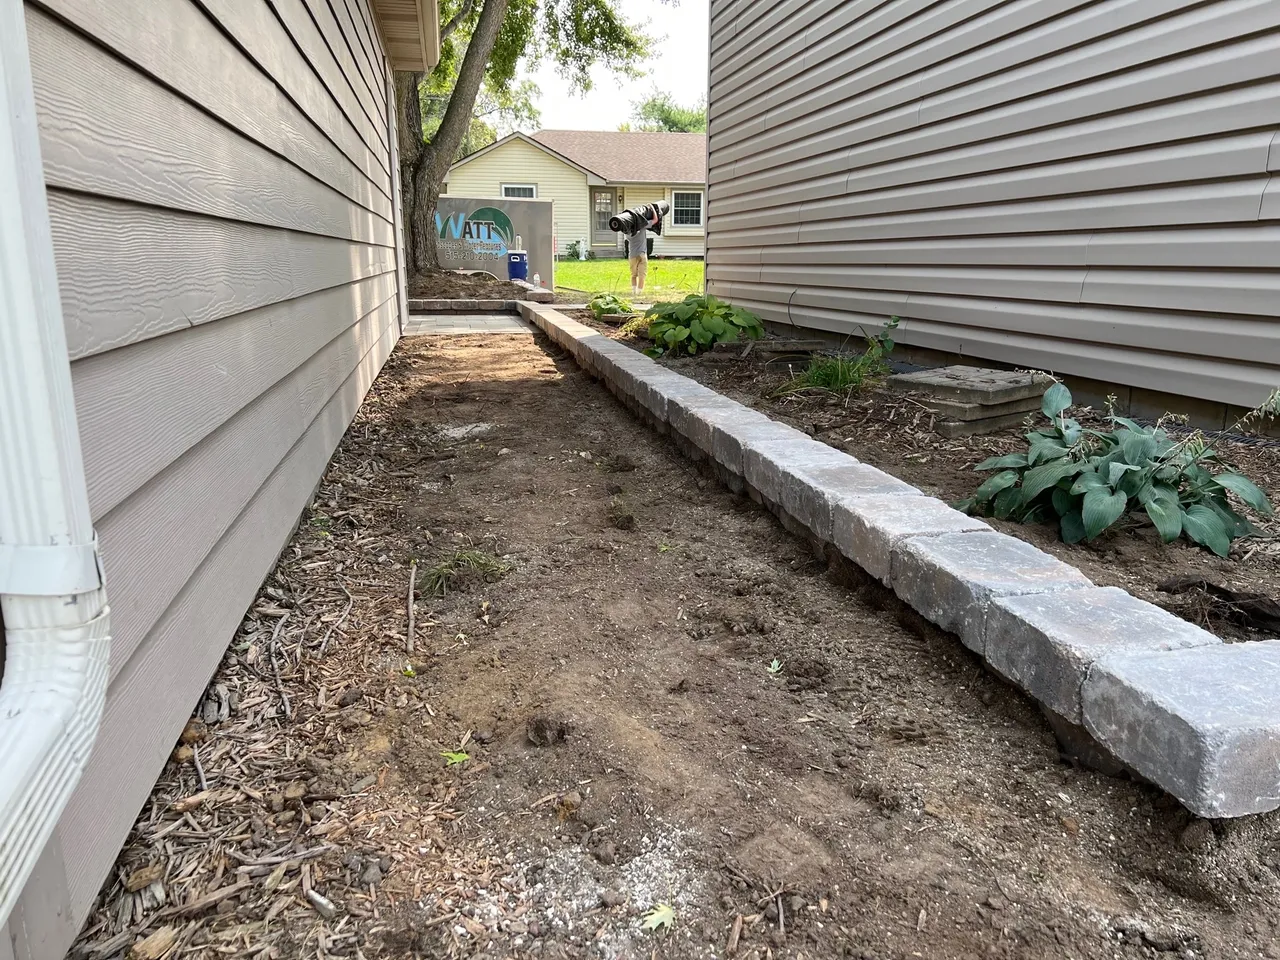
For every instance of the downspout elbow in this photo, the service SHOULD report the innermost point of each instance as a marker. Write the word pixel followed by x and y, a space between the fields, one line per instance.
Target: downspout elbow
pixel 56 657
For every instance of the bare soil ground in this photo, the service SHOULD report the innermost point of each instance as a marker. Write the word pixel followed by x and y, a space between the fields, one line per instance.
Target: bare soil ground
pixel 596 629
pixel 894 433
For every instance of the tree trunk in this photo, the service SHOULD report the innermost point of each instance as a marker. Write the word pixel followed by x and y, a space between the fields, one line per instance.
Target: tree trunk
pixel 439 153
pixel 409 130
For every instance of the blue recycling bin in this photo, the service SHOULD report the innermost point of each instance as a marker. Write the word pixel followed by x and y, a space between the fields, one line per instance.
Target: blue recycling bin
pixel 517 265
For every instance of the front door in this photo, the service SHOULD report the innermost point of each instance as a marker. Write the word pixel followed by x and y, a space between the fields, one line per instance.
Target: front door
pixel 604 204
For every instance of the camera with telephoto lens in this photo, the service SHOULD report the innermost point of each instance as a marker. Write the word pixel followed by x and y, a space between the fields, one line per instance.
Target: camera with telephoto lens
pixel 629 221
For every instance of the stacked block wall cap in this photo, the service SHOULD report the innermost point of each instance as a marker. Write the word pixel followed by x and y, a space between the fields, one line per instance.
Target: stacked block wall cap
pixel 420 305
pixel 952 578
pixel 866 529
pixel 1046 643
pixel 1197 717
pixel 1204 720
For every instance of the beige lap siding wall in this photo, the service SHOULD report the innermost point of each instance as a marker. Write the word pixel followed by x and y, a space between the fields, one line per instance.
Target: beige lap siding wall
pixel 221 193
pixel 1081 187
pixel 516 162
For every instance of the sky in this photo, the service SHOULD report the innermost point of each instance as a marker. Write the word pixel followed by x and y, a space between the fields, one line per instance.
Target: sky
pixel 678 67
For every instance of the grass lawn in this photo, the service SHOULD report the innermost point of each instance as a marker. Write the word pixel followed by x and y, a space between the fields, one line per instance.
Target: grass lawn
pixel 667 279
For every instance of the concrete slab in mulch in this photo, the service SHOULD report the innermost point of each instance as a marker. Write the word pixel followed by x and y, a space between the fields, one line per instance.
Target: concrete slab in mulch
pixel 1197 717
pixel 974 385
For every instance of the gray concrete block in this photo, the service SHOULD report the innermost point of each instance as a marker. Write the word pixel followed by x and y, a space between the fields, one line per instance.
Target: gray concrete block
pixel 813 491
pixel 731 434
pixel 695 417
pixel 1046 642
pixel 867 528
pixel 660 384
pixel 1203 723
pixel 782 471
pixel 951 579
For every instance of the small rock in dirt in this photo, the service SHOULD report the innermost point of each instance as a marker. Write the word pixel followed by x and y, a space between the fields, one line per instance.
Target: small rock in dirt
pixel 612 898
pixel 354 695
pixel 535 928
pixel 1198 835
pixel 317 765
pixel 680 686
pixel 183 754
pixel 287 817
pixel 614 489
pixel 371 876
pixel 771 911
pixel 543 731
pixel 606 853
pixel 276 802
pixel 295 791
pixel 995 903
pixel 195 732
pixel 795 904
pixel 483 736
pixel 568 805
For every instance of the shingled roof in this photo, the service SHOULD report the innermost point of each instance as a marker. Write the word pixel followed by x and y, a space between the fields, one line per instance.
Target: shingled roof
pixel 633 157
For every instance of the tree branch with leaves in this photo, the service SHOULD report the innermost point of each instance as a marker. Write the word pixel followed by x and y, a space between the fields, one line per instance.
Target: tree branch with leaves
pixel 483 44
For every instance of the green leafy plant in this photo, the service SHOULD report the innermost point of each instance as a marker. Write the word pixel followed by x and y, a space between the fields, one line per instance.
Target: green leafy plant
pixel 574 250
pixel 454 757
pixel 842 372
pixel 608 304
pixel 776 667
pixel 698 322
pixel 1087 480
pixel 662 915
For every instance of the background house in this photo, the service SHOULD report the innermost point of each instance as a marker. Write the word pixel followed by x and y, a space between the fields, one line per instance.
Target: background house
pixel 591 175
pixel 222 189
pixel 1081 187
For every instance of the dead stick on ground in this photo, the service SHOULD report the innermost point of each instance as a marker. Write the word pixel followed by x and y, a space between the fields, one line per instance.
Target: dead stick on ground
pixel 195 758
pixel 413 576
pixel 275 665
pixel 734 935
pixel 324 644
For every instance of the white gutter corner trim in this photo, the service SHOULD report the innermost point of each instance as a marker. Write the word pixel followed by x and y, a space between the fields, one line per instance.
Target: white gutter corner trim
pixel 53 604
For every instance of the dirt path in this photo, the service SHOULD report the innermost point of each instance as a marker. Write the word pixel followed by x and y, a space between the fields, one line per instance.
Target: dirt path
pixel 894 432
pixel 872 793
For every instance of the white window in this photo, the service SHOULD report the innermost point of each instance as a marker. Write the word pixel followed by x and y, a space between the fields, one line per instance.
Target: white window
pixel 686 208
pixel 520 191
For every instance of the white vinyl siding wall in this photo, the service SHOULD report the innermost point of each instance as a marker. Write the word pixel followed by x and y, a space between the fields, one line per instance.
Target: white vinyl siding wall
pixel 221 198
pixel 518 162
pixel 1081 187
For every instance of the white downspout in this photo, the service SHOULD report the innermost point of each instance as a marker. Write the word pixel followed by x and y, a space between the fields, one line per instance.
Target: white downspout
pixel 52 601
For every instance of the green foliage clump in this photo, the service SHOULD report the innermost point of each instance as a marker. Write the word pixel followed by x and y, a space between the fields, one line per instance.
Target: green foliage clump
pixel 842 373
pixel 698 322
pixel 1087 480
pixel 636 327
pixel 441 578
pixel 660 112
pixel 608 304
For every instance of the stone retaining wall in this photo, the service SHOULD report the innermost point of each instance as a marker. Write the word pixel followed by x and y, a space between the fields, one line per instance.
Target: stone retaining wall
pixel 1170 701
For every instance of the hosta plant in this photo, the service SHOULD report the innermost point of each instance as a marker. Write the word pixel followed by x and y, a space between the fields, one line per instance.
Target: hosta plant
pixel 1087 480
pixel 698 322
pixel 608 304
